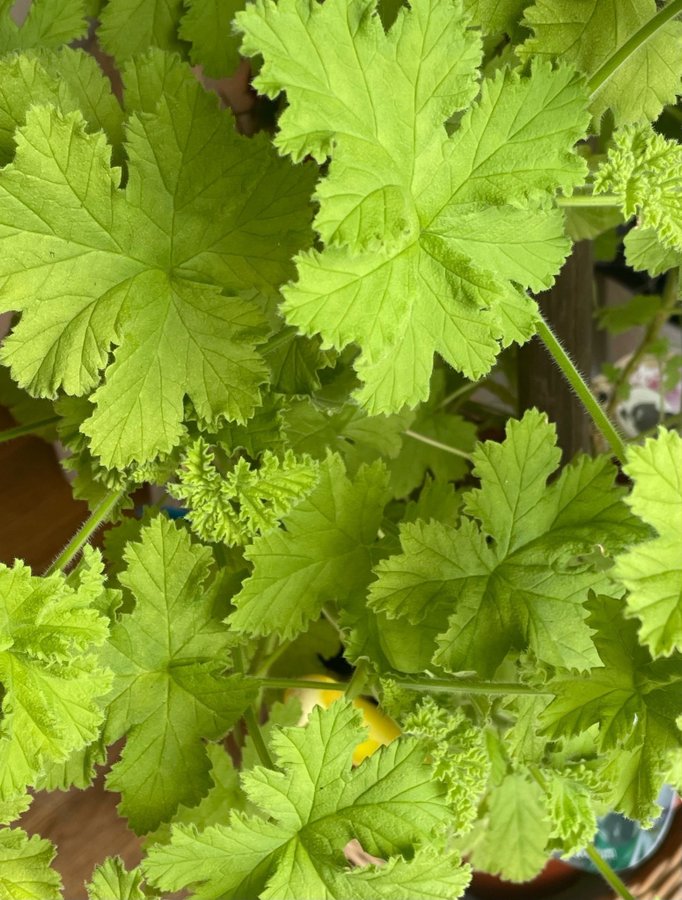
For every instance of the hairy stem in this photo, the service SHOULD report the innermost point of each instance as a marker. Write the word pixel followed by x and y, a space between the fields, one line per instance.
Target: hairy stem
pixel 436 685
pixel 415 435
pixel 637 40
pixel 598 200
pixel 671 293
pixel 100 514
pixel 577 382
pixel 607 873
pixel 9 434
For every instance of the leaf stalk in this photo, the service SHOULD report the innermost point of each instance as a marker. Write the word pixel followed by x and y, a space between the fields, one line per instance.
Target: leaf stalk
pixel 9 434
pixel 633 43
pixel 436 685
pixel 590 200
pixel 607 873
pixel 579 385
pixel 416 436
pixel 97 518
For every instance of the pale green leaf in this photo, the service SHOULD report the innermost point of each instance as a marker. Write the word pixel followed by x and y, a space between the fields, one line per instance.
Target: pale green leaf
pixel 163 261
pixel 129 27
pixel 262 432
pixel 235 506
pixel 584 223
pixel 68 79
pixel 295 361
pixel 448 274
pixel 49 23
pixel 516 580
pixel 634 701
pixel 571 810
pixel 391 804
pixel 25 871
pixel 112 881
pixel 652 571
pixel 643 169
pixel 643 251
pixel 168 657
pixel 224 795
pixel 50 679
pixel 312 428
pixel 458 752
pixel 322 555
pixel 586 33
pixel 495 16
pixel 207 26
pixel 513 844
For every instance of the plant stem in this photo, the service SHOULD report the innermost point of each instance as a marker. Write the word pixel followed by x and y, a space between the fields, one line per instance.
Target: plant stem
pixel 577 382
pixel 461 391
pixel 462 686
pixel 598 200
pixel 98 517
pixel 624 52
pixel 250 719
pixel 358 680
pixel 607 873
pixel 415 435
pixel 271 658
pixel 302 683
pixel 436 685
pixel 9 434
pixel 257 737
pixel 670 297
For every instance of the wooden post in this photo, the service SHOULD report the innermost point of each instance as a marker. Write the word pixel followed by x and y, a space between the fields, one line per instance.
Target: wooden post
pixel 568 307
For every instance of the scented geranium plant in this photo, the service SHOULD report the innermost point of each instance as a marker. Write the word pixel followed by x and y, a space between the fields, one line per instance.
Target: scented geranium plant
pixel 289 334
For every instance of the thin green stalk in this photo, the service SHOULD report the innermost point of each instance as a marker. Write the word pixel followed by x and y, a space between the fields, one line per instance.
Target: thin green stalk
pixel 9 434
pixel 333 620
pixel 461 391
pixel 257 737
pixel 623 53
pixel 415 435
pixel 357 683
pixel 302 684
pixel 671 293
pixel 98 517
pixel 577 382
pixel 462 686
pixel 598 200
pixel 271 658
pixel 250 719
pixel 453 686
pixel 607 873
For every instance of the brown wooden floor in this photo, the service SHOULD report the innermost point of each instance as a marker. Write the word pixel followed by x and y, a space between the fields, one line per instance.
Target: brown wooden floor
pixel 39 516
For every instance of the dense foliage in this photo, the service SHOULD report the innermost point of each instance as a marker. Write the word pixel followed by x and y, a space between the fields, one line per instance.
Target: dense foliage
pixel 289 333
